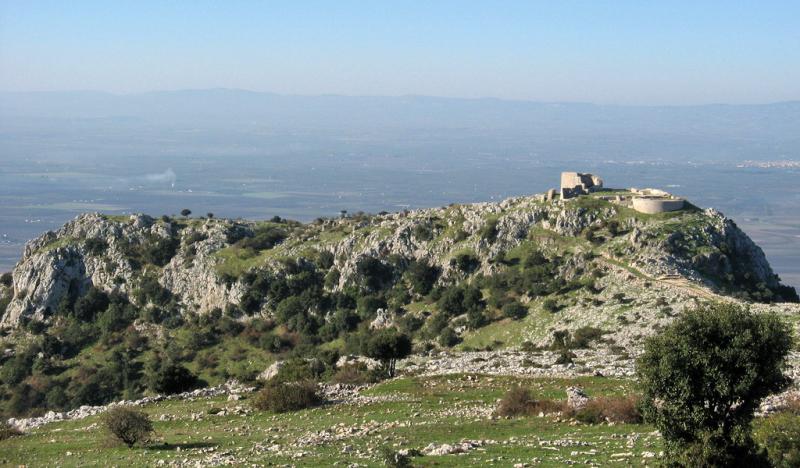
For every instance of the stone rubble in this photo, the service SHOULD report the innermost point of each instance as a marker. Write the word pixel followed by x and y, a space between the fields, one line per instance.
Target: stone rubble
pixel 232 387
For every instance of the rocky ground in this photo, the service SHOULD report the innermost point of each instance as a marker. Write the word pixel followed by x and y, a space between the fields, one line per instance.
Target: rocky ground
pixel 437 420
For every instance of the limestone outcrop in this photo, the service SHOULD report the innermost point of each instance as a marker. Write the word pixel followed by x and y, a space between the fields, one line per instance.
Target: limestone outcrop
pixel 199 262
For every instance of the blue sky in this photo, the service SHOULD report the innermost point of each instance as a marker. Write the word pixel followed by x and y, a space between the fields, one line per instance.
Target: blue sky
pixel 626 52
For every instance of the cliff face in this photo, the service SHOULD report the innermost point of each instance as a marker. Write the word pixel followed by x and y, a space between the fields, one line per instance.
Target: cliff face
pixel 96 250
pixel 203 263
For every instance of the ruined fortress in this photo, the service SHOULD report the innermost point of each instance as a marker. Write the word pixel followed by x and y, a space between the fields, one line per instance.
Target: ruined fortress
pixel 649 201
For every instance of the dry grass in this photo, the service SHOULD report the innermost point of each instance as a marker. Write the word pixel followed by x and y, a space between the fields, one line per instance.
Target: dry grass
pixel 7 431
pixel 519 401
pixel 355 374
pixel 610 409
pixel 792 404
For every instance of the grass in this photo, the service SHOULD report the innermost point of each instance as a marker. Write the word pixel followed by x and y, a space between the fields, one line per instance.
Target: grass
pixel 235 261
pixel 443 409
pixel 58 243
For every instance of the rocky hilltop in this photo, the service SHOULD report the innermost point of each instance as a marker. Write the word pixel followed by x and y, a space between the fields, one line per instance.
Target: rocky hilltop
pixel 208 263
pixel 204 264
pixel 113 308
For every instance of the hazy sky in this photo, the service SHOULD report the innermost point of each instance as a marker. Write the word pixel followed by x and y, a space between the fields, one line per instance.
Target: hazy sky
pixel 630 52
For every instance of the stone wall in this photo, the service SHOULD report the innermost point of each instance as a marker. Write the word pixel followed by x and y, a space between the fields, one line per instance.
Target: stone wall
pixel 657 205
pixel 576 183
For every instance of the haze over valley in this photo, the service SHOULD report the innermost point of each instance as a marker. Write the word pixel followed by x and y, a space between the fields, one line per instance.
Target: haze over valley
pixel 256 155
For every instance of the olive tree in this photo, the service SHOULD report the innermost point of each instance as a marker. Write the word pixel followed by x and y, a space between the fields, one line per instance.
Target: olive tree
pixel 703 377
pixel 387 346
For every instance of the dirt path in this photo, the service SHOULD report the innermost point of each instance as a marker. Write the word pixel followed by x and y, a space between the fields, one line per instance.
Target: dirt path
pixel 676 281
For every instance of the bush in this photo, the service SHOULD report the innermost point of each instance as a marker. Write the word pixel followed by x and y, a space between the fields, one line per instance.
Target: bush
pixel 515 310
pixel 300 370
pixel 282 397
pixel 779 435
pixel 704 376
pixel 7 431
pixel 584 336
pixel 519 401
pixel 394 459
pixel 550 305
pixel 172 378
pixel 130 426
pixel 448 337
pixel 422 276
pixel 611 409
pixel 489 230
pixel 373 274
pixel 466 262
pixel 92 303
pixel 6 279
pixel 355 374
pixel 161 251
pixel 95 246
pixel 263 239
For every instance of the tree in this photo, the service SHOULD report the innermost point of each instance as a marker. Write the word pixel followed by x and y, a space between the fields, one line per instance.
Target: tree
pixel 91 304
pixel 170 377
pixel 422 276
pixel 703 377
pixel 186 212
pixel 127 424
pixel 387 346
pixel 373 273
pixel 210 215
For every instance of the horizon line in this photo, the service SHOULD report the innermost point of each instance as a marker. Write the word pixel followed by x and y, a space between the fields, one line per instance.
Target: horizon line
pixel 388 96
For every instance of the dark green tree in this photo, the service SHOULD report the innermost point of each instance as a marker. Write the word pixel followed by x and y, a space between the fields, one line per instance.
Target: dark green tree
pixel 703 377
pixel 387 346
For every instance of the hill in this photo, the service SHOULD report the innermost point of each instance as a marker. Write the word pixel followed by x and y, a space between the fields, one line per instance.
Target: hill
pixel 526 288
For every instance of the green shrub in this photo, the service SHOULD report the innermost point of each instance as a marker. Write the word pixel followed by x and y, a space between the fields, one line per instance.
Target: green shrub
pixel 422 276
pixel 282 397
pixel 6 279
pixel 515 310
pixel 90 304
pixel 130 426
pixel 448 337
pixel 466 262
pixel 265 237
pixel 704 375
pixel 161 251
pixel 394 459
pixel 373 274
pixel 423 231
pixel 95 246
pixel 172 378
pixel 779 435
pixel 584 336
pixel 300 370
pixel 550 305
pixel 489 230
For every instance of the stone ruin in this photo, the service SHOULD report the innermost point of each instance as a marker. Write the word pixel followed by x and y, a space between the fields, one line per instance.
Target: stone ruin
pixel 576 183
pixel 649 200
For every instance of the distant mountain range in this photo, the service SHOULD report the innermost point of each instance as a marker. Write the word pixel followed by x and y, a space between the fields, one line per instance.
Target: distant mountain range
pixel 230 107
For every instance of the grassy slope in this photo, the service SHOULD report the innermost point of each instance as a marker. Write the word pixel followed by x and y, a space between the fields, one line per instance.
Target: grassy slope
pixel 425 404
